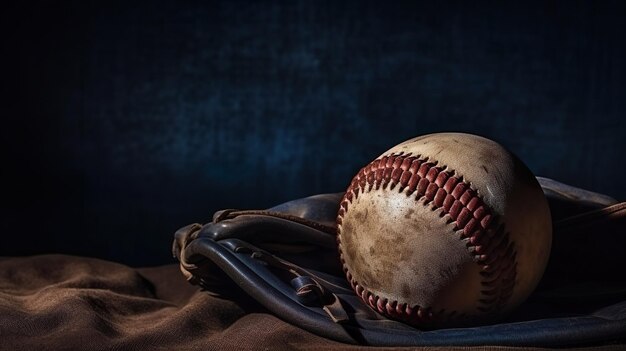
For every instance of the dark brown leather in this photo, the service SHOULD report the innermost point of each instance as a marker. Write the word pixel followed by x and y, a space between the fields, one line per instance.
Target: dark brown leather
pixel 580 300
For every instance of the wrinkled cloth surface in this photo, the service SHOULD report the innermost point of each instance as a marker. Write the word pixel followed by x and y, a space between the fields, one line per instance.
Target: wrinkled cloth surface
pixel 57 302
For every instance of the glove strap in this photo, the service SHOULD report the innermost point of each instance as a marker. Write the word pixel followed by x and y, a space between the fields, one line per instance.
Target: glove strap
pixel 308 289
pixel 232 213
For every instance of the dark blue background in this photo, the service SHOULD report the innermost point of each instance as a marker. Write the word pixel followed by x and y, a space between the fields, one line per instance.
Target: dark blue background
pixel 123 121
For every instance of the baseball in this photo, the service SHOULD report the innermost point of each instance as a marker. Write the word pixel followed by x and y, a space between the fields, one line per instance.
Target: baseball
pixel 442 230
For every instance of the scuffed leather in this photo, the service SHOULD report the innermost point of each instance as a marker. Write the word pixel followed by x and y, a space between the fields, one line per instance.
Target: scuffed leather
pixel 294 272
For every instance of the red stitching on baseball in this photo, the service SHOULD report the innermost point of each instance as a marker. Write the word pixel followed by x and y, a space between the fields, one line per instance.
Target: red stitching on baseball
pixel 488 242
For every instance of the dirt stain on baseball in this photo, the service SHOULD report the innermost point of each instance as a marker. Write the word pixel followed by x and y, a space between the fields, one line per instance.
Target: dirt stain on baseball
pixel 406 291
pixel 409 213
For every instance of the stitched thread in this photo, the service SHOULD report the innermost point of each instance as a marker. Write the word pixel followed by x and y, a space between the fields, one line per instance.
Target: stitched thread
pixel 473 220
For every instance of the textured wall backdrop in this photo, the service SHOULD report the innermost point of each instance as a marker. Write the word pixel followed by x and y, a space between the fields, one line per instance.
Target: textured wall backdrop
pixel 126 120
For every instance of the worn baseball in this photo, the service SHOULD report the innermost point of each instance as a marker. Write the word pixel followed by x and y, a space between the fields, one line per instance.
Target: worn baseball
pixel 446 229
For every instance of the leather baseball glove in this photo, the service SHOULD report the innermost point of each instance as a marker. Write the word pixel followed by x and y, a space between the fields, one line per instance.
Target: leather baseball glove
pixel 286 259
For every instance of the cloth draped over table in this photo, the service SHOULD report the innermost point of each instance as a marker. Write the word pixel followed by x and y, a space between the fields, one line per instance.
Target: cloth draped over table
pixel 57 302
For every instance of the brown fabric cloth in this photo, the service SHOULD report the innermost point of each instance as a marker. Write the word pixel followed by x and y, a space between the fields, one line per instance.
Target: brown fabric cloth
pixel 56 302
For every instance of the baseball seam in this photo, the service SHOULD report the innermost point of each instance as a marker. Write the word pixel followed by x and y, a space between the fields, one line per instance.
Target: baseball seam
pixel 474 222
